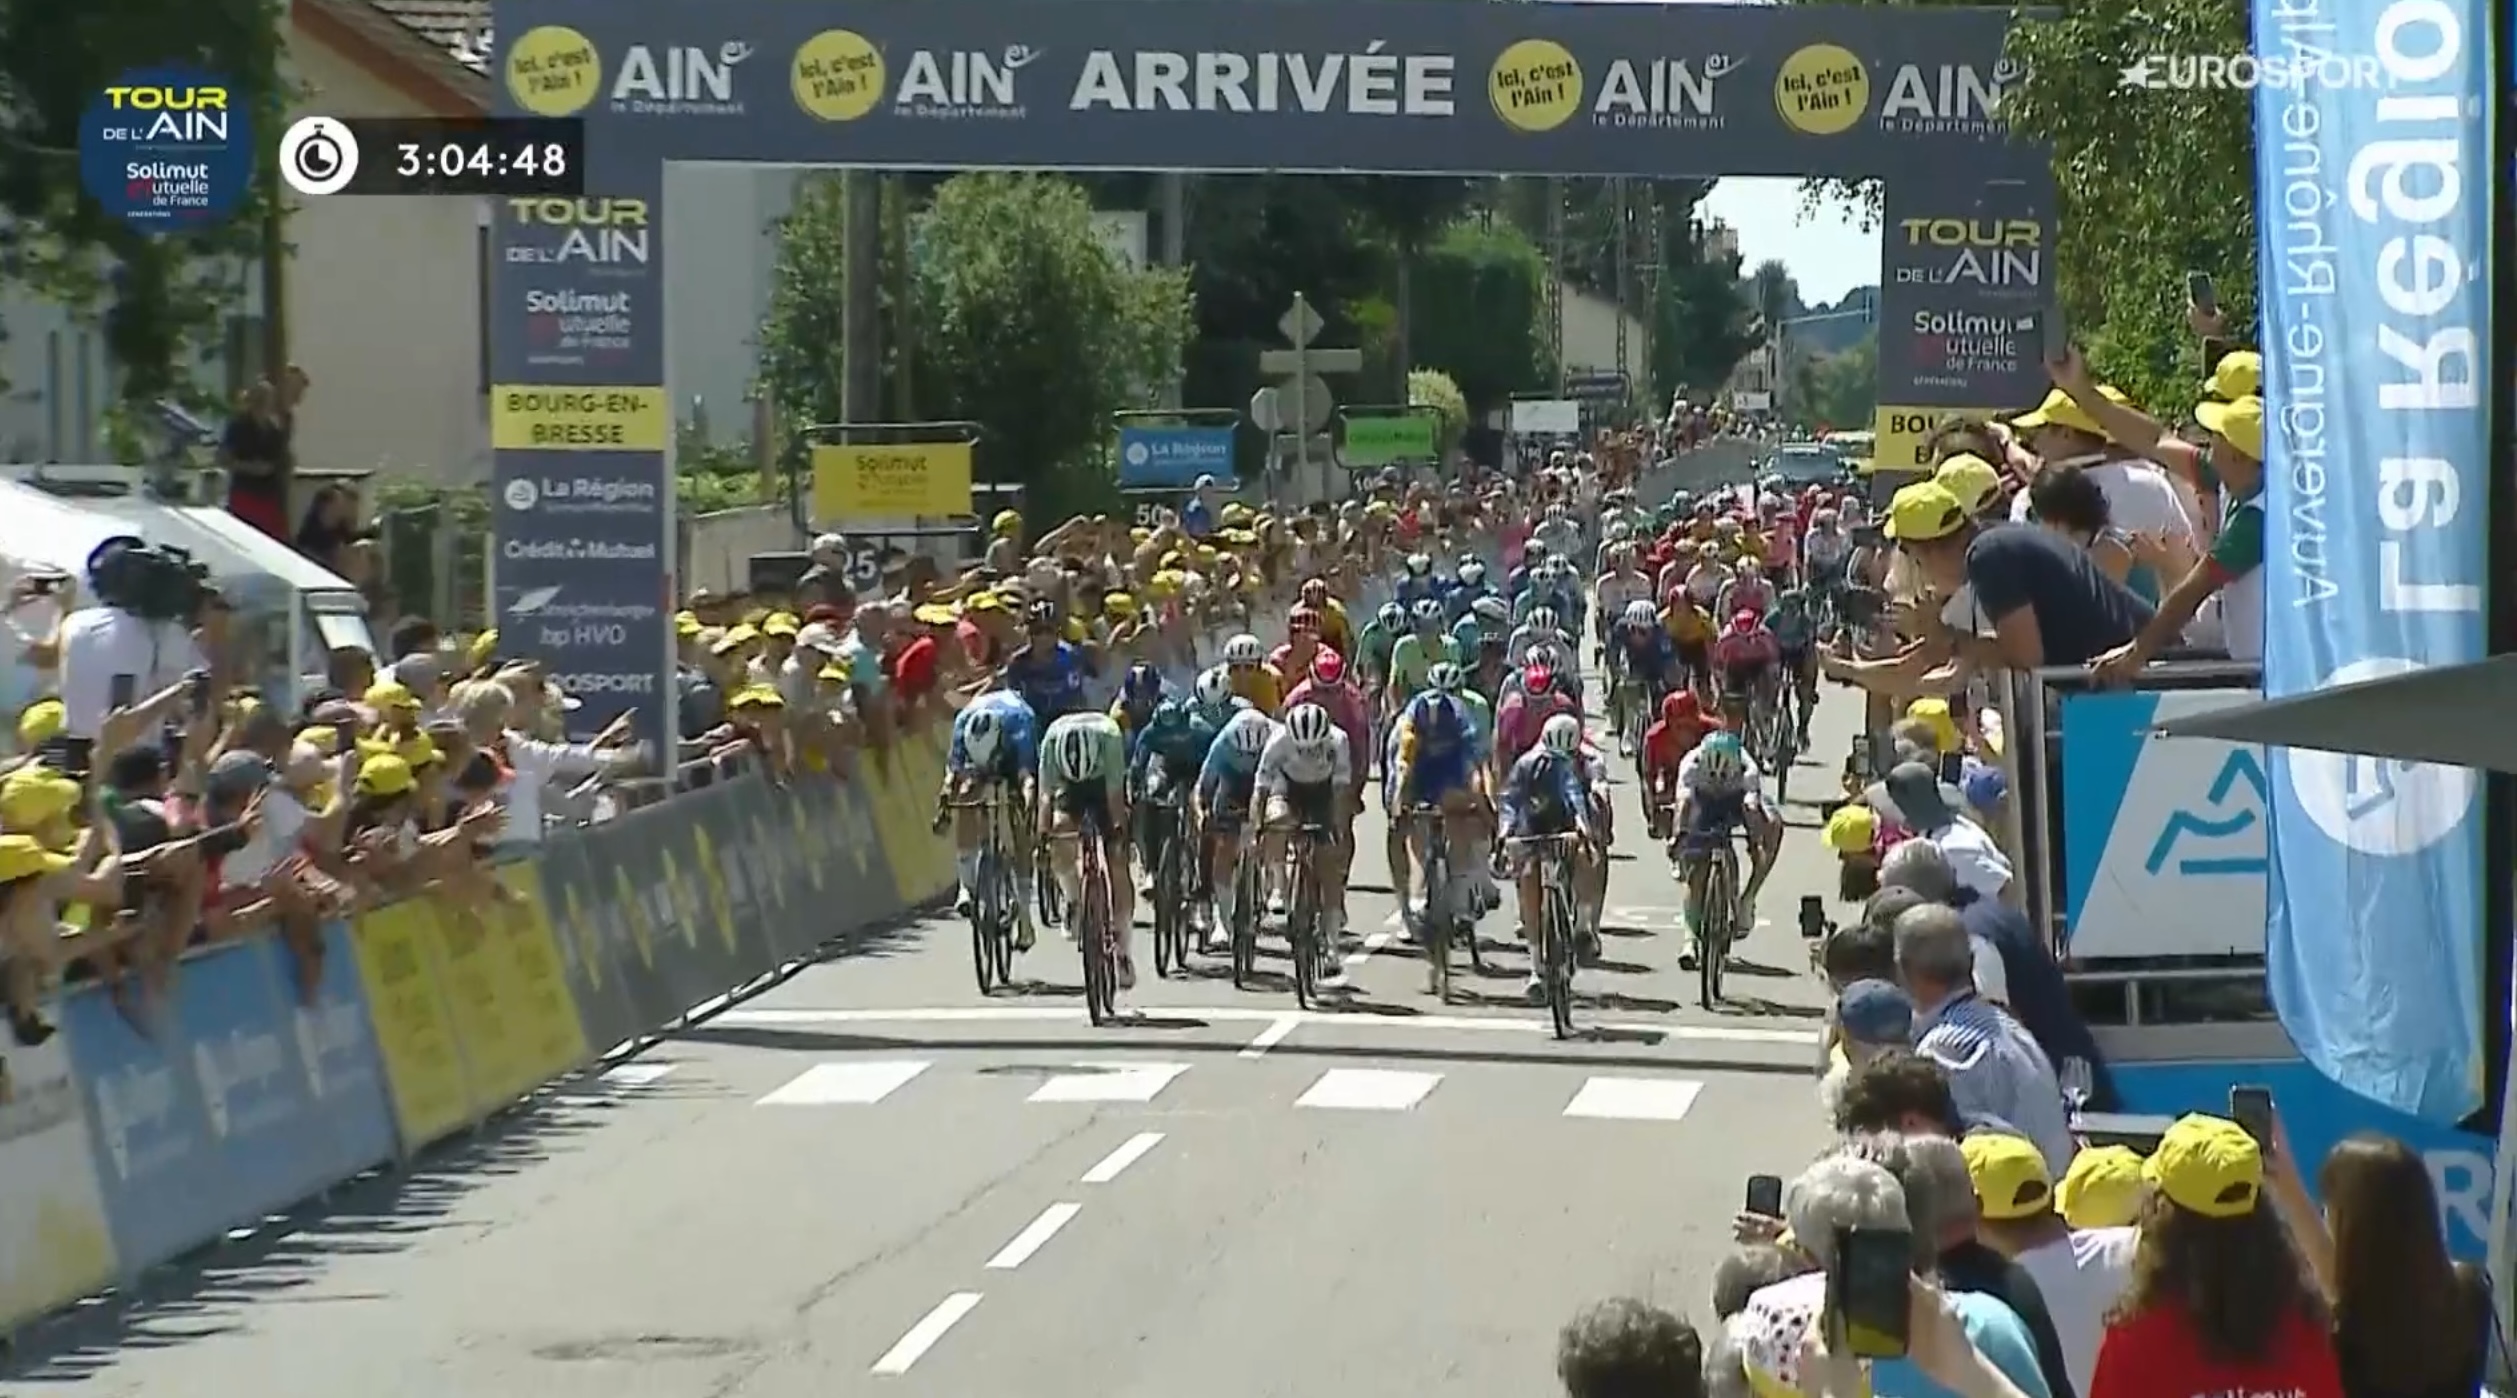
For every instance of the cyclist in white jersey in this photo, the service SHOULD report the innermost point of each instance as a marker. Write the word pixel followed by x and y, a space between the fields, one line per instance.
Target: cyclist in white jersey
pixel 1306 773
pixel 1619 587
pixel 1083 778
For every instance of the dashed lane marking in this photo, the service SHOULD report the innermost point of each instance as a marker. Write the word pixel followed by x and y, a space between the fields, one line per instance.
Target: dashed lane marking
pixel 1242 1014
pixel 922 1336
pixel 1369 1090
pixel 1109 1082
pixel 845 1084
pixel 1133 1149
pixel 1635 1099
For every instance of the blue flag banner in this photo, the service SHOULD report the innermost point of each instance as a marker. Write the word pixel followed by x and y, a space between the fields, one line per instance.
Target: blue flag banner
pixel 1173 457
pixel 2373 210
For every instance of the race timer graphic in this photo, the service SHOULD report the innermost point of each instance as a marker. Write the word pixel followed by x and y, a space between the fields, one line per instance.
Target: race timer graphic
pixel 523 157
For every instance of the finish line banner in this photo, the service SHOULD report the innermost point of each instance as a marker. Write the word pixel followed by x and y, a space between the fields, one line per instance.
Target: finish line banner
pixel 2374 231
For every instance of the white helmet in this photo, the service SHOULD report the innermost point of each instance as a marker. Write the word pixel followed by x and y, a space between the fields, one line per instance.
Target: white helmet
pixel 1446 678
pixel 1310 727
pixel 1419 564
pixel 1079 753
pixel 1472 572
pixel 1214 686
pixel 1562 735
pixel 1250 739
pixel 1640 612
pixel 1490 609
pixel 1428 613
pixel 1542 619
pixel 1620 531
pixel 1244 649
pixel 979 733
pixel 1620 557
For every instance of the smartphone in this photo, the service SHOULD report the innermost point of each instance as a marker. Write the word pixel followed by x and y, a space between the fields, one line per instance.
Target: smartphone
pixel 2057 334
pixel 1765 1195
pixel 1869 1291
pixel 2250 1106
pixel 122 691
pixel 197 692
pixel 2200 291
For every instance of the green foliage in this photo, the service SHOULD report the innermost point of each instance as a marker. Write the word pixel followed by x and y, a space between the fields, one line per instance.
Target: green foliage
pixel 1431 388
pixel 800 360
pixel 1481 313
pixel 710 476
pixel 1706 325
pixel 1837 390
pixel 159 299
pixel 1027 327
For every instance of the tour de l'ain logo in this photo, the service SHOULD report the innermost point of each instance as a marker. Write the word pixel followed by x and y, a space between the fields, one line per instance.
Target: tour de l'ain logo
pixel 1535 85
pixel 1822 90
pixel 166 148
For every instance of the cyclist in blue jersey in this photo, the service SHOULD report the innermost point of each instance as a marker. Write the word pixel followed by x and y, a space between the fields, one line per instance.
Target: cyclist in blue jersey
pixel 1166 755
pixel 1418 583
pixel 1140 692
pixel 1546 793
pixel 1047 671
pixel 1437 758
pixel 995 743
pixel 1533 559
pixel 1794 631
pixel 1212 699
pixel 1226 783
pixel 1471 588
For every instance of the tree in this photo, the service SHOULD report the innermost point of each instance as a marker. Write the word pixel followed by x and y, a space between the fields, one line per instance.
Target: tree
pixel 1431 388
pixel 1706 324
pixel 1409 211
pixel 800 360
pixel 1483 311
pixel 1837 390
pixel 159 298
pixel 1029 328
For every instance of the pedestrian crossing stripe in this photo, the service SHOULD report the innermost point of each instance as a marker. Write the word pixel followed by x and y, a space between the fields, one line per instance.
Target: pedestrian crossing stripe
pixel 1389 1090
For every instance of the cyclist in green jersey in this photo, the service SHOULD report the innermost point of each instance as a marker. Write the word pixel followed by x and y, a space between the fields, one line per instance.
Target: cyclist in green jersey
pixel 1413 658
pixel 1083 778
pixel 1374 643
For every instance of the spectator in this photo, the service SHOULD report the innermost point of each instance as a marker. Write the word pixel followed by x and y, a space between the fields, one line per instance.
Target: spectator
pixel 1895 900
pixel 1627 1349
pixel 2220 1302
pixel 2013 969
pixel 524 767
pixel 2408 1320
pixel 332 534
pixel 1996 1071
pixel 2102 1189
pixel 2233 571
pixel 861 654
pixel 2079 1273
pixel 1751 1269
pixel 2044 601
pixel 1872 1018
pixel 1913 796
pixel 257 451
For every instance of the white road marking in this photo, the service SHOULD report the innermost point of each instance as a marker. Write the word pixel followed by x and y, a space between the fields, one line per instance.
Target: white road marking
pixel 923 1335
pixel 845 1084
pixel 1635 1099
pixel 1368 1090
pixel 1272 1035
pixel 1109 1082
pixel 1243 1014
pixel 636 1075
pixel 1133 1149
pixel 1034 1238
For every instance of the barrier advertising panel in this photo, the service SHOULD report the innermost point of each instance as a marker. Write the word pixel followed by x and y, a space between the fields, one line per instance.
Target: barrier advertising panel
pixel 55 1245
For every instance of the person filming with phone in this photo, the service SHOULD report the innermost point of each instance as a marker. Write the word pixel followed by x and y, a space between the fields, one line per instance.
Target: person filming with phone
pixel 137 641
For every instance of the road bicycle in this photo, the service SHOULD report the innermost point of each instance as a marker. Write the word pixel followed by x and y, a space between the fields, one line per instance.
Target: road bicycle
pixel 1717 920
pixel 1443 923
pixel 1554 955
pixel 1305 912
pixel 1168 835
pixel 994 903
pixel 1096 929
pixel 1245 900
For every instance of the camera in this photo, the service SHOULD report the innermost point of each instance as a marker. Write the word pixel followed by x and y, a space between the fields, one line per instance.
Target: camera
pixel 155 582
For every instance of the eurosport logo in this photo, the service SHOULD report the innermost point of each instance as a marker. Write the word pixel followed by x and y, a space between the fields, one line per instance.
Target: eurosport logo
pixel 2245 72
pixel 581 495
pixel 586 685
pixel 577 550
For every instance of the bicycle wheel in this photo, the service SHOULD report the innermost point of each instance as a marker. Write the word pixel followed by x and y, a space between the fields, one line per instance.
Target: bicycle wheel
pixel 1719 895
pixel 1171 948
pixel 1302 925
pixel 1244 923
pixel 1437 919
pixel 1559 953
pixel 1092 933
pixel 1786 752
pixel 984 911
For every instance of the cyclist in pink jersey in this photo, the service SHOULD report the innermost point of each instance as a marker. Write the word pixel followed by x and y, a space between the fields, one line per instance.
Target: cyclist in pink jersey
pixel 1525 712
pixel 1746 659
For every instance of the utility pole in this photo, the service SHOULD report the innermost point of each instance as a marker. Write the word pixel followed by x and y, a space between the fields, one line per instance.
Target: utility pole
pixel 1625 286
pixel 860 322
pixel 1556 194
pixel 1174 192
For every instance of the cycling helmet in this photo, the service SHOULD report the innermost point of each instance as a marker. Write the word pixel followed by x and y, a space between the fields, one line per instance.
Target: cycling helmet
pixel 1303 621
pixel 1562 735
pixel 1043 615
pixel 1743 623
pixel 1393 617
pixel 1543 619
pixel 1640 612
pixel 1250 739
pixel 1538 680
pixel 1721 759
pixel 1079 753
pixel 1620 557
pixel 1823 519
pixel 1327 666
pixel 1428 613
pixel 1244 649
pixel 1490 609
pixel 1418 564
pixel 1619 532
pixel 1214 686
pixel 1472 572
pixel 1315 591
pixel 1309 727
pixel 1446 678
pixel 1143 682
pixel 1535 551
pixel 980 734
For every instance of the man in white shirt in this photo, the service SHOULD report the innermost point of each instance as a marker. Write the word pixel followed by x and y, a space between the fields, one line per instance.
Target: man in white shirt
pixel 1912 795
pixel 2079 1272
pixel 114 659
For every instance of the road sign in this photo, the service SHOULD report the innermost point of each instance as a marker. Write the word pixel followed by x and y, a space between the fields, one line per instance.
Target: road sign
pixel 1380 441
pixel 1300 323
pixel 1289 448
pixel 1267 411
pixel 1313 401
pixel 1311 361
pixel 1596 386
pixel 1557 416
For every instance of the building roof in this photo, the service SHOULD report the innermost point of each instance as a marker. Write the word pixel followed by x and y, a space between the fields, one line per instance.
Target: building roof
pixel 456 26
pixel 433 51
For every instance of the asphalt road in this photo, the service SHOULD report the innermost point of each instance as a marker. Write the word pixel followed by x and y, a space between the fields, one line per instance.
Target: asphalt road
pixel 869 1179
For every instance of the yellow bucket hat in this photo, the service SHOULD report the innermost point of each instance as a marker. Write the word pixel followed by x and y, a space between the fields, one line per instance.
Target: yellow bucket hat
pixel 2239 422
pixel 2058 410
pixel 1925 511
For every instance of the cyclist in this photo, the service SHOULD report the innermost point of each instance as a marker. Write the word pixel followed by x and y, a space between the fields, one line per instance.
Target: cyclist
pixel 1745 658
pixel 1380 636
pixel 1224 788
pixel 1471 589
pixel 993 742
pixel 1518 581
pixel 1047 671
pixel 1329 688
pixel 1413 658
pixel 1083 781
pixel 1824 549
pixel 1436 759
pixel 1490 669
pixel 1544 794
pixel 1543 644
pixel 1306 775
pixel 1794 631
pixel 1558 531
pixel 1418 584
pixel 1616 589
pixel 1292 660
pixel 1336 629
pixel 1640 651
pixel 1245 660
pixel 1552 589
pixel 1211 698
pixel 1524 712
pixel 1680 727
pixel 1704 582
pixel 1749 591
pixel 1170 752
pixel 1590 882
pixel 1719 791
pixel 1470 626
pixel 1140 693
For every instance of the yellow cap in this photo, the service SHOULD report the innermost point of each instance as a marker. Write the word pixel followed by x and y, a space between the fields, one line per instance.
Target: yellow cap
pixel 389 695
pixel 24 856
pixel 1140 534
pixel 41 722
pixel 734 640
pixel 758 696
pixel 420 751
pixel 2239 374
pixel 2208 1165
pixel 1851 829
pixel 1118 604
pixel 384 774
pixel 483 647
pixel 755 617
pixel 2011 1180
pixel 781 624
pixel 1944 727
pixel 1236 513
pixel 34 796
pixel 1925 511
pixel 2239 423
pixel 2101 1189
pixel 835 672
pixel 1006 524
pixel 935 614
pixel 320 736
pixel 1970 478
pixel 2058 410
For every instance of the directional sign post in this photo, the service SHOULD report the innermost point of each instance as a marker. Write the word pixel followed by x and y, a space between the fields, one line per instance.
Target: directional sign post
pixel 1304 402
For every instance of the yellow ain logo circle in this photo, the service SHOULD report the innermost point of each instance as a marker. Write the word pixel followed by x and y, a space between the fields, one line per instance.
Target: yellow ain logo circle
pixel 1822 90
pixel 837 76
pixel 553 71
pixel 1535 85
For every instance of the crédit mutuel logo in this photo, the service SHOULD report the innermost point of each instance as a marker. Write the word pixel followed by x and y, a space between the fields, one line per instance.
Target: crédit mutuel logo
pixel 2301 68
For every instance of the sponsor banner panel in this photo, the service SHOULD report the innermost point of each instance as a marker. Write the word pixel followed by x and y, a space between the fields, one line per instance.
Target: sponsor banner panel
pixel 597 985
pixel 1905 430
pixel 508 997
pixel 55 1244
pixel 1968 264
pixel 1386 440
pixel 853 484
pixel 1172 458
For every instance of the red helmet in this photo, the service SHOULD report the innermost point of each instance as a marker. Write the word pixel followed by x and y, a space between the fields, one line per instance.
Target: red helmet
pixel 1744 622
pixel 1305 621
pixel 1328 667
pixel 1538 679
